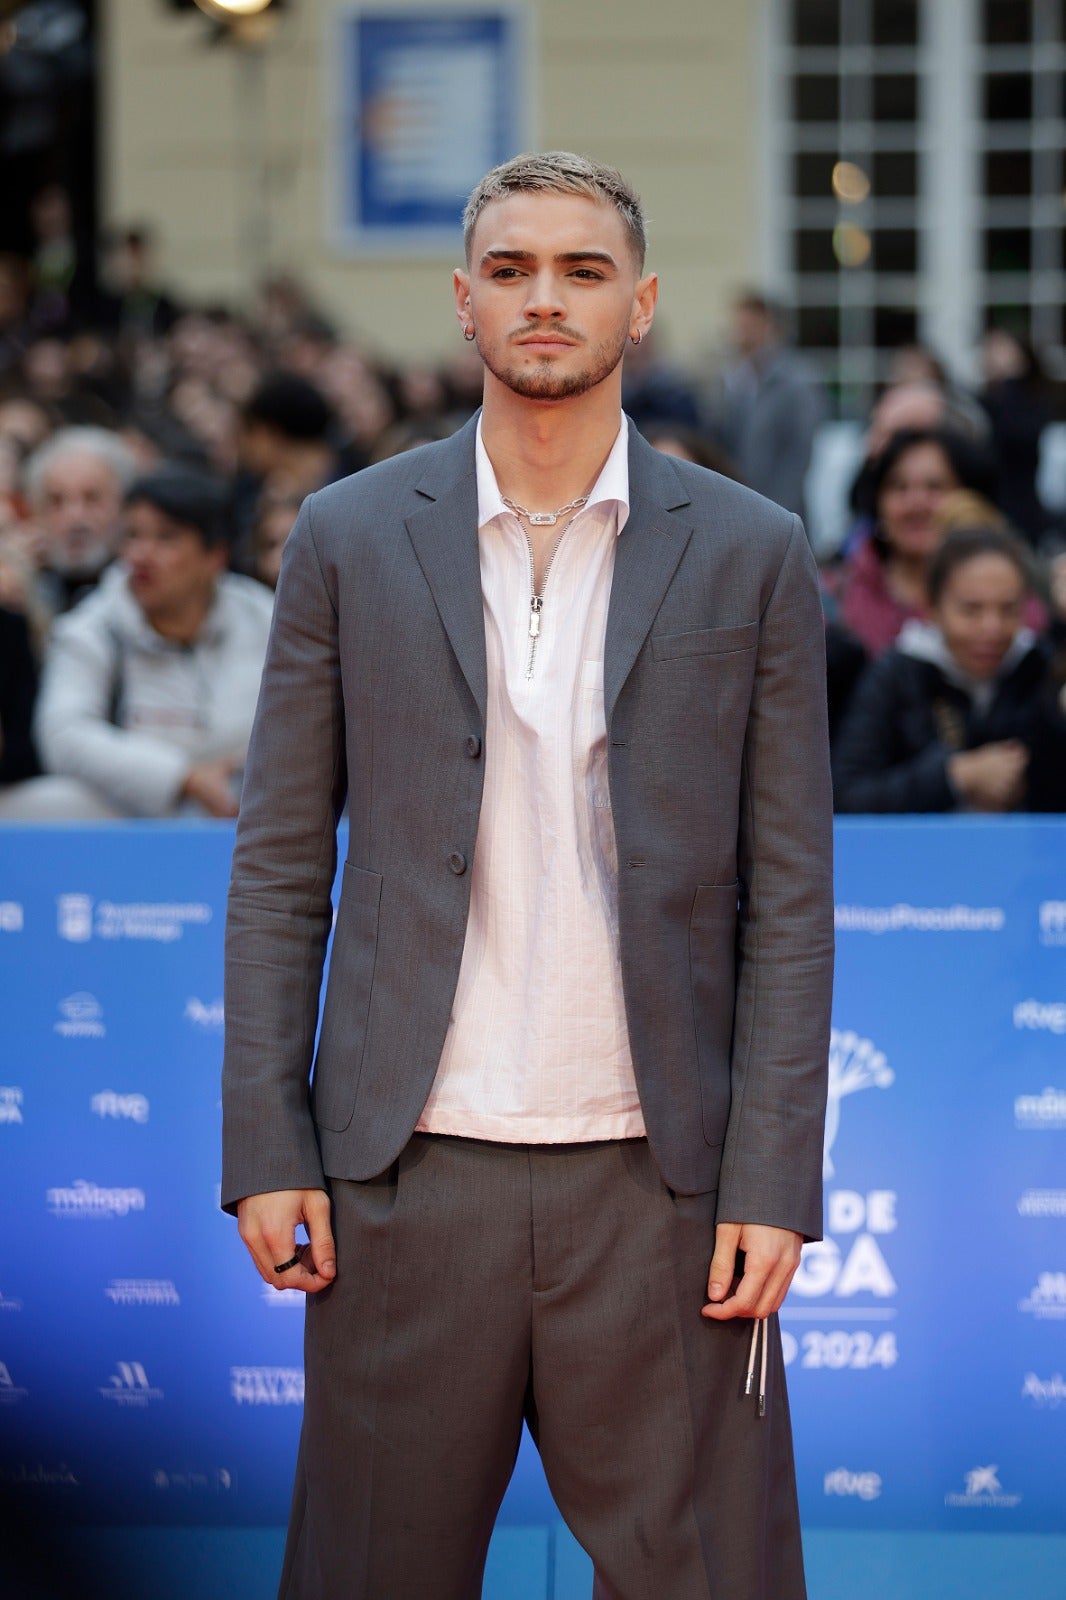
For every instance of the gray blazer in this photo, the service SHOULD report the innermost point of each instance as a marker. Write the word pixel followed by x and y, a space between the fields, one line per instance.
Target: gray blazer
pixel 374 690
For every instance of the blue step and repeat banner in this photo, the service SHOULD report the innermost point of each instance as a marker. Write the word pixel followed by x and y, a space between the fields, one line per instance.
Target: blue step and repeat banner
pixel 147 1375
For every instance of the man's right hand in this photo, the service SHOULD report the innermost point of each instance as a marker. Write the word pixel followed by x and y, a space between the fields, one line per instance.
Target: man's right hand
pixel 992 777
pixel 267 1223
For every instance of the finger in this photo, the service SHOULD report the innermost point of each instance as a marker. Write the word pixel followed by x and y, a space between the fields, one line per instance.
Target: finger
pixel 303 1275
pixel 323 1251
pixel 745 1297
pixel 724 1261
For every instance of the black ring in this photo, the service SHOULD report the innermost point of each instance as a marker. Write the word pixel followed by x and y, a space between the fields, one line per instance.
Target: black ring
pixel 285 1265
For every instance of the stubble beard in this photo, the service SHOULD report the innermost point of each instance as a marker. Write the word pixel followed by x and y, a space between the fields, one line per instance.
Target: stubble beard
pixel 546 382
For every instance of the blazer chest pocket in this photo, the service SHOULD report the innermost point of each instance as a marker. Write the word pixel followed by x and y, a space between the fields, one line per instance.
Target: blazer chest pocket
pixel 704 642
pixel 347 1008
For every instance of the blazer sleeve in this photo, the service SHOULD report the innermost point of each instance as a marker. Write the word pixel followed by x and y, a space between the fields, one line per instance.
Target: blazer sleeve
pixel 872 771
pixel 284 862
pixel 772 1159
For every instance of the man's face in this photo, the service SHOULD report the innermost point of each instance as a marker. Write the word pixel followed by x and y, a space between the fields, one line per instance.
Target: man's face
pixel 171 570
pixel 80 512
pixel 553 292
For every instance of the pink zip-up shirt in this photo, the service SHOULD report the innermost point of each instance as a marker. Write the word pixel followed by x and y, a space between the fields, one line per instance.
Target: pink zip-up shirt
pixel 537 1051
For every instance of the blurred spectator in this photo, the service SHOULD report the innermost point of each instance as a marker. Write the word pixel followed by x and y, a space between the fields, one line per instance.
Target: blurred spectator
pixel 768 405
pixel 689 444
pixel 75 484
pixel 57 275
pixel 274 522
pixel 961 714
pixel 882 583
pixel 26 422
pixel 654 391
pixel 916 366
pixel 15 331
pixel 1016 400
pixel 150 685
pixel 18 687
pixel 138 306
pixel 287 446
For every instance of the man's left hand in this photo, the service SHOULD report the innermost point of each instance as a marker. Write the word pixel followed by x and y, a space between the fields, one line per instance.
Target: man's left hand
pixel 771 1256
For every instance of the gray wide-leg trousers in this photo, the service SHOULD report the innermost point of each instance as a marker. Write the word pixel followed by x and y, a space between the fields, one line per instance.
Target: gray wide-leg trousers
pixel 482 1284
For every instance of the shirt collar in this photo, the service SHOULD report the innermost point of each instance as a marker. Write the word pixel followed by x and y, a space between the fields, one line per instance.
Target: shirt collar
pixel 611 485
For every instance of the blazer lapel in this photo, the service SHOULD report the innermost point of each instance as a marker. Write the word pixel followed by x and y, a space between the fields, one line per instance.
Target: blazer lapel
pixel 444 534
pixel 649 548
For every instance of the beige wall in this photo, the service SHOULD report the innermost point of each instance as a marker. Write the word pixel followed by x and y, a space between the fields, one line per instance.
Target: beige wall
pixel 668 92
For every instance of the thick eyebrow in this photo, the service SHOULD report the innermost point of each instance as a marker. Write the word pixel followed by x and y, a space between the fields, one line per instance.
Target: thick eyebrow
pixel 566 258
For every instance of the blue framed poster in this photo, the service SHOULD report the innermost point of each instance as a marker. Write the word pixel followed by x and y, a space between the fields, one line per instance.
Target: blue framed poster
pixel 428 98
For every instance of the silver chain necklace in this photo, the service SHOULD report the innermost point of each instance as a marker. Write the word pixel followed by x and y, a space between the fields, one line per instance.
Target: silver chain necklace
pixel 545 519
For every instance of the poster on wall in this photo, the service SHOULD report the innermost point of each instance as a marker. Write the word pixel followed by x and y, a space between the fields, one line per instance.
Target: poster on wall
pixel 428 97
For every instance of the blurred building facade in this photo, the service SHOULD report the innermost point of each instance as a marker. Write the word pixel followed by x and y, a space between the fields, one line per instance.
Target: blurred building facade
pixel 892 169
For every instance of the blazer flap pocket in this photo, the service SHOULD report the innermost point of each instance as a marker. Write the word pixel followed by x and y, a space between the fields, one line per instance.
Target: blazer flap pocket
pixel 704 641
pixel 359 887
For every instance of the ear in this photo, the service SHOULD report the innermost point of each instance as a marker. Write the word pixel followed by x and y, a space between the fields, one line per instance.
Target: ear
pixel 645 299
pixel 461 287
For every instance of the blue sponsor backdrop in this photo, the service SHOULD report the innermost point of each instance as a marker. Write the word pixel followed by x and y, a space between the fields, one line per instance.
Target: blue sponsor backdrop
pixel 147 1375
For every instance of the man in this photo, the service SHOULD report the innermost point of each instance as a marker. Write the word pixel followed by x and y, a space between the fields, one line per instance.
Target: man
pixel 150 683
pixel 75 483
pixel 573 693
pixel 768 406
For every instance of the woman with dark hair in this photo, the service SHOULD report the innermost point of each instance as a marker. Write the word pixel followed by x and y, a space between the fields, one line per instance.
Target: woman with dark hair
pixel 884 582
pixel 962 715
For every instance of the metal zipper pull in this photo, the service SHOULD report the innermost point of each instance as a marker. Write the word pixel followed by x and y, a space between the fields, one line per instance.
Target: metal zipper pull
pixel 536 605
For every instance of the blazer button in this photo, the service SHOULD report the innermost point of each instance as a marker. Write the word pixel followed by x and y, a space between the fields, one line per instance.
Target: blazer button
pixel 457 862
pixel 473 746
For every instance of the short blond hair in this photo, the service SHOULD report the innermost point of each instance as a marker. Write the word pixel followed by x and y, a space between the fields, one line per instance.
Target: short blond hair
pixel 560 172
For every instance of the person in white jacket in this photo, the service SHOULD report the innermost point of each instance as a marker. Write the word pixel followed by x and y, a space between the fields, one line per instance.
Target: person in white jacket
pixel 150 684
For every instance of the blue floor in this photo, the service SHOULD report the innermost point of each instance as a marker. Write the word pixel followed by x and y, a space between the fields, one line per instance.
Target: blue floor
pixel 546 1564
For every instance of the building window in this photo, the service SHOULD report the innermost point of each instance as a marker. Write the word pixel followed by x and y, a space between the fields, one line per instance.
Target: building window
pixel 918 178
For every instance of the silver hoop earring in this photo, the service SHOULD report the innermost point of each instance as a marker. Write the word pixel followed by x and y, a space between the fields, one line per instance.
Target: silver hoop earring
pixel 469 334
pixel 635 338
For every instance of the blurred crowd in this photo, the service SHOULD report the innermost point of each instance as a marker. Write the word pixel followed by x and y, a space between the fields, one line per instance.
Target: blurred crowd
pixel 154 456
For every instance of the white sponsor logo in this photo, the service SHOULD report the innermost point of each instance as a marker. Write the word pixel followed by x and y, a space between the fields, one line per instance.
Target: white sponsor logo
pixel 267 1386
pixel 903 918
pixel 1043 1203
pixel 129 1386
pixel 121 1107
pixel 192 1480
pixel 81 1017
pixel 983 1488
pixel 862 1485
pixel 841 1349
pixel 142 1292
pixel 1047 1299
pixel 1049 1392
pixel 10 1393
pixel 85 1199
pixel 1049 1015
pixel 826 1268
pixel 12 917
pixel 9 1305
pixel 160 921
pixel 203 1015
pixel 38 1476
pixel 854 1063
pixel 1053 922
pixel 1045 1110
pixel 10 1103
pixel 74 917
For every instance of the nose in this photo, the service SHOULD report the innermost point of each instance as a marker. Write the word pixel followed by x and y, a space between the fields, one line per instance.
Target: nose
pixel 544 300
